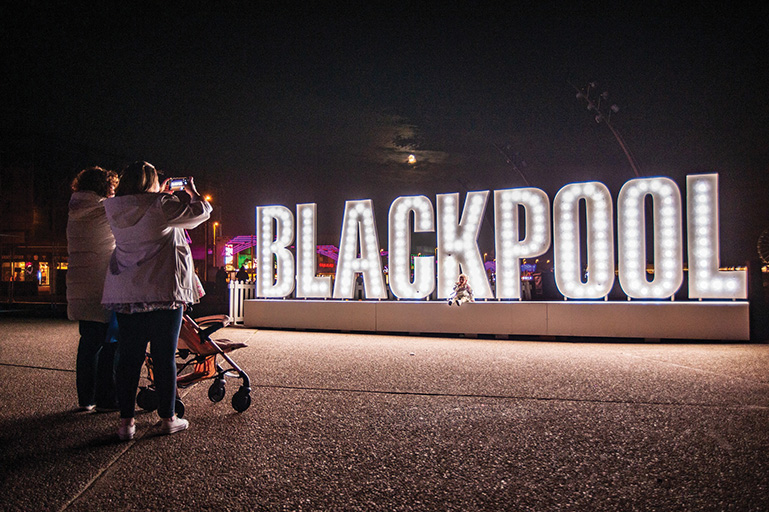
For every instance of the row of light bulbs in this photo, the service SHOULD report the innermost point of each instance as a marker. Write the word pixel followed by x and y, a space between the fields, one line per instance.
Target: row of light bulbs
pixel 458 248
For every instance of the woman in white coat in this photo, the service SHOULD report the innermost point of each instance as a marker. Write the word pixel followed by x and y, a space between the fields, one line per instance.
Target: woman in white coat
pixel 150 279
pixel 90 244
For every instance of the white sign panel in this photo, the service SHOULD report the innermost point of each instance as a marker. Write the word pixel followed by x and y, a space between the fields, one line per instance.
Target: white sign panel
pixel 522 229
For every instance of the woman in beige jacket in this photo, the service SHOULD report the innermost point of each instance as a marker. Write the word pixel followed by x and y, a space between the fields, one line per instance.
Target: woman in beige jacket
pixel 149 281
pixel 90 244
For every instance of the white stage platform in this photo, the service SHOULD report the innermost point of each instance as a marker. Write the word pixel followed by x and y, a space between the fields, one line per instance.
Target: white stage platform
pixel 705 320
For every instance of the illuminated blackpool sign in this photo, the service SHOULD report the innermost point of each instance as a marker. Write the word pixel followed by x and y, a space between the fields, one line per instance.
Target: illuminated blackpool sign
pixel 457 243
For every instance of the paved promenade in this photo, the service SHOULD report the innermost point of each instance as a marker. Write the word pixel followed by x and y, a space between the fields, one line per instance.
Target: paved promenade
pixel 361 422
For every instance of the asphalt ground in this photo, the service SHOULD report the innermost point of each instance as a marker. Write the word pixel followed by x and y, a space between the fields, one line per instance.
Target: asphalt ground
pixel 348 421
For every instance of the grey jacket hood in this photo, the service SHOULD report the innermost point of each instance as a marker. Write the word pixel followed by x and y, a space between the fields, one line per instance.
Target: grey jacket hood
pixel 89 244
pixel 127 211
pixel 85 204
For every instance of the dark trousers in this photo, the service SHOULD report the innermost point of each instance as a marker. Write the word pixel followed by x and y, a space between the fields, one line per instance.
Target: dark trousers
pixel 95 365
pixel 161 329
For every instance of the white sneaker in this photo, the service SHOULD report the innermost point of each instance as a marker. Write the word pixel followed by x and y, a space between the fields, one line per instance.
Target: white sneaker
pixel 126 432
pixel 173 425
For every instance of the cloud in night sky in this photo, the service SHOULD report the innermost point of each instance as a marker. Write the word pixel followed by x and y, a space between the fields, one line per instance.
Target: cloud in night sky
pixel 268 108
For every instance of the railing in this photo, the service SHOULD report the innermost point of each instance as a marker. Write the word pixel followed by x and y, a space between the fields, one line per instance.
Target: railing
pixel 239 292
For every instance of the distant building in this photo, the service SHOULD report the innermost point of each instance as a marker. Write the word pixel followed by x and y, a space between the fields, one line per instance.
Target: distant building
pixel 35 176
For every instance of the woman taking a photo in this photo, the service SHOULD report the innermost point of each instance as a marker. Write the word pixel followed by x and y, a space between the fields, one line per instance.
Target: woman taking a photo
pixel 149 281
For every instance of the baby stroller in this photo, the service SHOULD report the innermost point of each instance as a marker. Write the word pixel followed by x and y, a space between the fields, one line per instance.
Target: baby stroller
pixel 196 361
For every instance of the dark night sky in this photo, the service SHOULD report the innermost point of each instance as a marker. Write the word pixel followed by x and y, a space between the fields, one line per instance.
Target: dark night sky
pixel 266 108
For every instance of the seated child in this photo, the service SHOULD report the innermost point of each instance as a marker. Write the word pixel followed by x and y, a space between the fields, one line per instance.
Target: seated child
pixel 462 292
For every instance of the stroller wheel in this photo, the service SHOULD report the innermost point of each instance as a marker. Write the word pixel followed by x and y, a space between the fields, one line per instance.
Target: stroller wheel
pixel 216 391
pixel 179 408
pixel 147 399
pixel 241 400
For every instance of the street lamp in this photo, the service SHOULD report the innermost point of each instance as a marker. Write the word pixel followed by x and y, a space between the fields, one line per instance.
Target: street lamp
pixel 603 115
pixel 216 224
pixel 207 197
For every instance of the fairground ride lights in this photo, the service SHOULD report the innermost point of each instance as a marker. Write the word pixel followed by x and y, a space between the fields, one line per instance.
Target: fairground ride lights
pixel 457 244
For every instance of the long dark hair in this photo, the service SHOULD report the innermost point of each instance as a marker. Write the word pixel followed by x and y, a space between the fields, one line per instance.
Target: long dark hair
pixel 137 178
pixel 95 179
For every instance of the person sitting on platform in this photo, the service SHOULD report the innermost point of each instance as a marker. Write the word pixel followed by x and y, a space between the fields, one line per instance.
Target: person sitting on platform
pixel 462 292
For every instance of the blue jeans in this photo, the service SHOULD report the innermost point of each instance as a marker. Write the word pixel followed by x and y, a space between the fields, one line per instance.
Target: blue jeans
pixel 95 365
pixel 161 329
